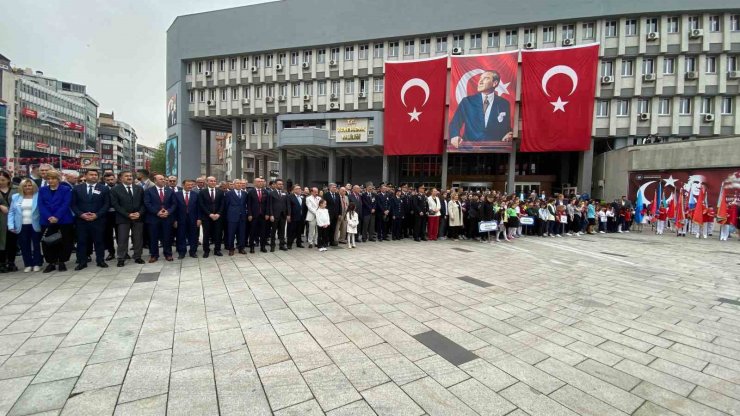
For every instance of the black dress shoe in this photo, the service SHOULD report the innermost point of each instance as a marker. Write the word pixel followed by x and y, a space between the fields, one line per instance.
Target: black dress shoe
pixel 272 249
pixel 110 257
pixel 218 253
pixel 206 254
pixel 50 268
pixel 89 259
pixel 299 246
pixel 309 246
pixel 120 263
pixel 80 267
pixel 62 267
pixel 193 255
pixel 103 265
pixel 283 248
pixel 242 251
pixel 139 261
pixel 264 250
pixel 251 250
pixel 181 256
pixel 128 257
pixel 12 267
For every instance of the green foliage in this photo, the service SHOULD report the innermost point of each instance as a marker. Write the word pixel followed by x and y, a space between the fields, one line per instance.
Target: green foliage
pixel 158 161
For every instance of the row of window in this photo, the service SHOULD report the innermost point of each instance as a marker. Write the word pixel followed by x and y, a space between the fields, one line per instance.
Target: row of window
pixel 685 104
pixel 510 36
pixel 269 90
pixel 57 102
pixel 669 65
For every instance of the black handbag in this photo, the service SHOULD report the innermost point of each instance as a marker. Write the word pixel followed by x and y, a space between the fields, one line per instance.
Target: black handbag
pixel 51 238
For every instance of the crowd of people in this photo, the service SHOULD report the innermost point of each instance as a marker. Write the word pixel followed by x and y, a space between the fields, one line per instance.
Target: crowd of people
pixel 49 215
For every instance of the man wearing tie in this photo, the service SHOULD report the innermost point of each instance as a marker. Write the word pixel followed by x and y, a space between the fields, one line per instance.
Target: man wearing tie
pixel 335 211
pixel 188 219
pixel 382 211
pixel 128 201
pixel 44 168
pixel 296 217
pixel 356 198
pixel 278 214
pixel 109 179
pixel 90 202
pixel 160 207
pixel 235 210
pixel 340 235
pixel 258 209
pixel 211 200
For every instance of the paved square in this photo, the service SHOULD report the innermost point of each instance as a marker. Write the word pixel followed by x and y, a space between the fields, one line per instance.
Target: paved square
pixel 619 324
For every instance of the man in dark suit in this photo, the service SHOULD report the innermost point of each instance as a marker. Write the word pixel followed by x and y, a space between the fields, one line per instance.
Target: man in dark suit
pixel 211 200
pixel 296 217
pixel 258 213
pixel 128 201
pixel 382 211
pixel 368 214
pixel 421 209
pixel 44 168
pixel 333 205
pixel 188 219
pixel 355 197
pixel 159 201
pixel 235 213
pixel 90 202
pixel 278 214
pixel 483 116
pixel 109 180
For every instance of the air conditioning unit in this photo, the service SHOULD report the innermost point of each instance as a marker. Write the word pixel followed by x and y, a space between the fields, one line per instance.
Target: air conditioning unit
pixel 245 101
pixel 708 118
pixel 733 74
pixel 282 98
pixel 529 45
pixel 242 137
pixel 568 42
pixel 306 98
pixel 362 95
pixel 269 99
pixel 211 103
pixel 653 36
pixel 307 107
pixel 254 69
pixel 333 106
pixel 16 133
pixel 209 74
pixel 279 67
pixel 334 97
pixel 306 65
pixel 648 77
pixel 696 33
pixel 644 116
pixel 333 62
pixel 692 75
pixel 457 51
pixel 608 79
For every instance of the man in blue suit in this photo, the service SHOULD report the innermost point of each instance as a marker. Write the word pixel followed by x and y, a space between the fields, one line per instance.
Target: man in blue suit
pixel 296 217
pixel 188 219
pixel 258 215
pixel 159 201
pixel 235 210
pixel 90 202
pixel 483 116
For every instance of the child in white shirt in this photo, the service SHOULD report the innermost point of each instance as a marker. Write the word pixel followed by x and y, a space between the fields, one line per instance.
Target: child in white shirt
pixel 352 221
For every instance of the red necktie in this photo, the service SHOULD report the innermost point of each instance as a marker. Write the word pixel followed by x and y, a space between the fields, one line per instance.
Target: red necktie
pixel 187 198
pixel 161 195
pixel 259 195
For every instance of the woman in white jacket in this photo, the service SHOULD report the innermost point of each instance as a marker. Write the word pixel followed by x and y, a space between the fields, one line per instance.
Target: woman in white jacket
pixel 322 224
pixel 455 213
pixel 435 206
pixel 312 205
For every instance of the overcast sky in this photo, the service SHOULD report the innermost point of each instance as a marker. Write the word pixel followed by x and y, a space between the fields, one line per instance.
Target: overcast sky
pixel 117 48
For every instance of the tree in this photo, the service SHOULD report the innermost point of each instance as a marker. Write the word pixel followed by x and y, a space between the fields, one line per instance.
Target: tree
pixel 158 160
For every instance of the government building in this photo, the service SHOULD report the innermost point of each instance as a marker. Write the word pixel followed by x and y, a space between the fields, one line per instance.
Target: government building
pixel 299 83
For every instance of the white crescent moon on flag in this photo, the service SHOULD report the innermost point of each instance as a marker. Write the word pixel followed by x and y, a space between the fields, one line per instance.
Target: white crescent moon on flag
pixel 461 91
pixel 415 82
pixel 560 69
pixel 641 190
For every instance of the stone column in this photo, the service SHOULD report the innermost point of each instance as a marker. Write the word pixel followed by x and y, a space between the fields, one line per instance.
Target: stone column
pixel 236 150
pixel 585 170
pixel 332 166
pixel 511 178
pixel 208 152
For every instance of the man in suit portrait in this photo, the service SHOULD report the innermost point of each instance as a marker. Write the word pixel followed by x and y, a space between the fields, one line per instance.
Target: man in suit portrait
pixel 334 206
pixel 211 200
pixel 482 117
pixel 90 202
pixel 128 201
pixel 188 219
pixel 296 217
pixel 235 211
pixel 160 208
pixel 258 213
pixel 278 214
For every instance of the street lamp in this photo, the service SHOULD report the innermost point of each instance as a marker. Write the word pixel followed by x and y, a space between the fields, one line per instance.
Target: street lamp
pixel 49 126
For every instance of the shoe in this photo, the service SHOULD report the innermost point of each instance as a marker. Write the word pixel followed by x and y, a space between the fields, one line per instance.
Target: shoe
pixel 242 251
pixel 601 232
pixel 50 268
pixel 310 246
pixel 300 245
pixel 181 256
pixel 283 248
pixel 168 258
pixel 272 249
pixel 354 246
pixel 218 253
pixel 206 254
pixel 110 257
pixel 128 257
pixel 231 252
pixel 27 269
pixel 89 259
pixel 80 267
pixel 120 263
pixel 62 267
pixel 263 250
pixel 251 250
pixel 103 265
pixel 139 261
pixel 153 259
pixel 36 268
pixel 193 255
pixel 12 267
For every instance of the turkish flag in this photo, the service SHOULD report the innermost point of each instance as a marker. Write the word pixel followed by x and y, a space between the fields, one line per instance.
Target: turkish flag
pixel 414 107
pixel 698 215
pixel 558 88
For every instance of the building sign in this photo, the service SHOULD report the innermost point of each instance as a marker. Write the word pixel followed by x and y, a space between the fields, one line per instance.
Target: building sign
pixel 172 111
pixel 171 154
pixel 352 130
pixel 89 160
pixel 52 119
pixel 42 146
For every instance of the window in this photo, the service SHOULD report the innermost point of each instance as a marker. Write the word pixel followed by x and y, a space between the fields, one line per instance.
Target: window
pixel 726 105
pixel 669 66
pixel 378 50
pixel 362 54
pixel 707 105
pixel 308 88
pixel 732 63
pixel 511 37
pixel 257 61
pixel 296 89
pixel 548 34
pixel 714 25
pixel 475 41
pixel 610 29
pixel 201 96
pixel 648 66
pixel 281 59
pixel 334 54
pixel 711 64
pixel 690 64
pixel 307 55
pixel 222 65
pixel 378 84
pixel 200 67
pixel 322 87
pixel 363 86
pixel 458 41
pixel 212 95
pixel 408 47
pixel 442 44
pixel 623 108
pixel 602 108
pixel 684 106
pixel 258 92
pixel 664 107
pixel 233 64
pixel 530 35
pixel 245 62
pixel 694 22
pixel 672 23
pixel 234 93
pixel 321 56
pixel 209 66
pixel 283 89
pixel 588 31
pixel 349 53
pixel 253 128
pixel 189 67
pixel 294 58
pixel 424 45
pixel 628 68
pixel 569 32
pixel 349 86
pixel 335 88
pixel 268 60
pixel 392 49
pixel 493 39
pixel 270 91
pixel 735 22
pixel 643 105
pixel 191 96
pixel 607 68
pixel 245 92
pixel 651 24
pixel 265 126
pixel 630 27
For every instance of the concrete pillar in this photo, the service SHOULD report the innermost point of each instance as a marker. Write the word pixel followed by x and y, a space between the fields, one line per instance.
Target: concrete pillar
pixel 585 170
pixel 385 169
pixel 283 163
pixel 236 151
pixel 304 171
pixel 511 177
pixel 332 166
pixel 445 164
pixel 208 152
pixel 265 168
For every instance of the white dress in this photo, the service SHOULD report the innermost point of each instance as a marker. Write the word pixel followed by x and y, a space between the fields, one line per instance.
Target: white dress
pixel 352 222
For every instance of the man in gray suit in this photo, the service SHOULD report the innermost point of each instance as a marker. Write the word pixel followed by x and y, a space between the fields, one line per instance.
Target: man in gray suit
pixel 128 201
pixel 340 234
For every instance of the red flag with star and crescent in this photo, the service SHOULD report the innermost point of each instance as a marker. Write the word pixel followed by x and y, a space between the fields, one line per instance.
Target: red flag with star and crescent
pixel 558 90
pixel 414 107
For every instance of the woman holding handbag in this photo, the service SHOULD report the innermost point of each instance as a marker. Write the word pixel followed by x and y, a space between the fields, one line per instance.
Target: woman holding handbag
pixel 23 221
pixel 455 213
pixel 8 243
pixel 57 223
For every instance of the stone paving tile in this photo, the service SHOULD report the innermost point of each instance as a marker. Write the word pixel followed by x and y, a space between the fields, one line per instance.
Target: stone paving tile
pixel 11 390
pixel 394 364
pixel 673 401
pixel 192 391
pixel 305 351
pixel 284 385
pixel 96 376
pixel 148 375
pixel 309 408
pixel 481 399
pixel 23 365
pixel 534 402
pixel 330 387
pixel 389 400
pixel 358 408
pixel 152 406
pixel 65 363
pixel 42 397
pixel 92 402
pixel 238 385
pixel 356 366
pixel 435 399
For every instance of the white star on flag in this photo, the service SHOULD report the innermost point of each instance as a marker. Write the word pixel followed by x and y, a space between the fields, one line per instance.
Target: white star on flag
pixel 502 88
pixel 670 181
pixel 558 105
pixel 414 115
